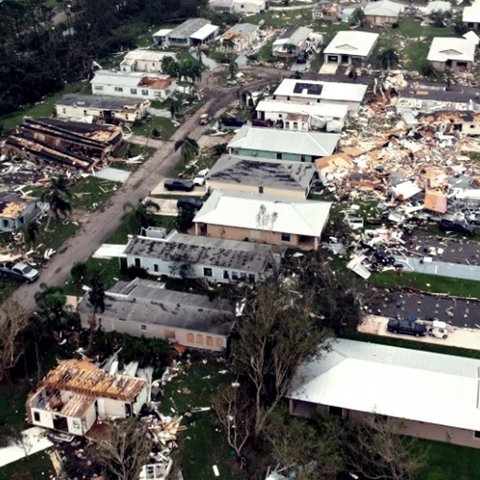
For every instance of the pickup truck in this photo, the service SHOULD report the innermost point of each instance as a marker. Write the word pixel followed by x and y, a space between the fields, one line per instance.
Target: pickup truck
pixel 406 327
pixel 19 271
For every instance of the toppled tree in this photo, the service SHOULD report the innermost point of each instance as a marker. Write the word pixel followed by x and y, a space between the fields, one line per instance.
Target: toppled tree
pixel 277 332
pixel 124 450
pixel 376 450
pixel 14 320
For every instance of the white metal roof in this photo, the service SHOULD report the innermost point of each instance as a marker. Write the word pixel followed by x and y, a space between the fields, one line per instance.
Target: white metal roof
pixel 148 55
pixel 163 32
pixel 343 92
pixel 471 14
pixel 334 110
pixel 293 36
pixel 383 8
pixel 397 382
pixel 117 79
pixel 472 37
pixel 451 48
pixel 349 42
pixel 437 6
pixel 204 32
pixel 285 141
pixel 301 217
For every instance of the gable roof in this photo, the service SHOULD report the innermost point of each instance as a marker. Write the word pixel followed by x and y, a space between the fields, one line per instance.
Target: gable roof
pixel 351 42
pixel 188 28
pixel 317 144
pixel 293 36
pixel 99 101
pixel 301 217
pixel 398 382
pixel 383 8
pixel 451 48
pixel 269 173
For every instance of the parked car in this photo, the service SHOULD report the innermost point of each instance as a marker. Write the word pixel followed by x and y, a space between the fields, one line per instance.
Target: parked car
pixel 20 271
pixel 200 177
pixel 205 119
pixel 178 184
pixel 232 122
pixel 189 202
pixel 406 327
pixel 456 226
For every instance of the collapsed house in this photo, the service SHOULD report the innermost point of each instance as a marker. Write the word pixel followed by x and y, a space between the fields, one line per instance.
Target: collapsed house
pixel 141 60
pixel 215 260
pixel 101 108
pixel 146 308
pixel 17 211
pixel 449 122
pixel 74 395
pixel 65 143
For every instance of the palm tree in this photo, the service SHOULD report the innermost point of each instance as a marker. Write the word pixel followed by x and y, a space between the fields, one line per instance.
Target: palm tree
pixel 233 69
pixel 174 106
pixel 96 298
pixel 189 148
pixel 228 44
pixel 388 58
pixel 78 273
pixel 58 196
pixel 170 66
pixel 140 212
pixel 30 232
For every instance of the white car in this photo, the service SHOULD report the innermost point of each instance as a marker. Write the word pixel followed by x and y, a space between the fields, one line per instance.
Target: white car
pixel 200 177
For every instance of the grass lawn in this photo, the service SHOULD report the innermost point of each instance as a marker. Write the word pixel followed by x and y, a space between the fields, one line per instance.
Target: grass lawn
pixel 163 126
pixel 34 467
pixel 43 109
pixel 201 446
pixel 91 192
pixel 204 161
pixel 7 287
pixel 55 236
pixel 12 405
pixel 450 462
pixel 427 283
pixel 410 28
pixel 282 19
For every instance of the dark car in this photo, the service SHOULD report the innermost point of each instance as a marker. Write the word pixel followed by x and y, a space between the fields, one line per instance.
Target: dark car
pixel 458 227
pixel 189 203
pixel 407 327
pixel 232 122
pixel 178 184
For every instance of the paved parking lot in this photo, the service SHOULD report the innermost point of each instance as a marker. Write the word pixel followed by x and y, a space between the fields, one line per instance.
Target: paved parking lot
pixel 457 312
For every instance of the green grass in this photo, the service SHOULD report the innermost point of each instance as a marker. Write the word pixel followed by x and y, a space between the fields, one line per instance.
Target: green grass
pixel 7 287
pixel 44 109
pixel 34 467
pixel 410 28
pixel 427 283
pixel 55 236
pixel 472 155
pixel 450 462
pixel 12 405
pixel 90 192
pixel 204 161
pixel 201 446
pixel 164 127
pixel 282 19
pixel 416 55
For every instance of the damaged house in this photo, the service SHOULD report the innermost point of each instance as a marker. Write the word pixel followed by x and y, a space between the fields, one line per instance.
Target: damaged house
pixel 140 60
pixel 101 108
pixel 450 53
pixel 146 308
pixel 264 219
pixel 240 38
pixel 65 143
pixel 215 260
pixel 76 394
pixel 17 211
pixel 296 41
pixel 465 122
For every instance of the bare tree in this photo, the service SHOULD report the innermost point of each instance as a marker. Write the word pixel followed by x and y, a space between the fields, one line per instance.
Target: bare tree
pixel 14 320
pixel 276 334
pixel 236 416
pixel 377 450
pixel 124 451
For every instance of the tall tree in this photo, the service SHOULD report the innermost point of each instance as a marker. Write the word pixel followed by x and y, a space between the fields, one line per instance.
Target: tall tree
pixel 58 196
pixel 233 69
pixel 14 321
pixel 189 148
pixel 170 66
pixel 51 307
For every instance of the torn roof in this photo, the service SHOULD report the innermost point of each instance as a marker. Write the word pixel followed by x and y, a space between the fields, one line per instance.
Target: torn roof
pixel 12 205
pixel 83 377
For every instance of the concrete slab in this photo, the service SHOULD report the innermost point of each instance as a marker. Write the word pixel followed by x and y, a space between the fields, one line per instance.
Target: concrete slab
pixel 108 251
pixel 167 206
pixel 113 174
pixel 328 68
pixel 33 441
pixel 457 337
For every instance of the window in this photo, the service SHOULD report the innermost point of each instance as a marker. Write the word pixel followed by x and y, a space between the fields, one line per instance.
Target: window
pixel 285 237
pixel 199 340
pixel 170 334
pixel 138 262
pixel 295 125
pixel 133 91
pixel 98 87
pixel 287 125
pixel 155 268
pixel 143 327
pixel 209 341
pixel 260 189
pixel 234 276
pixel 20 220
pixel 288 98
pixel 226 275
pixel 36 417
pixel 207 272
pixel 218 342
pixel 279 155
pixel 145 93
pixel 190 338
pixel 251 277
pixel 122 319
pixel 119 89
pixel 64 110
pixel 476 434
pixel 280 115
pixel 243 276
pixel 302 158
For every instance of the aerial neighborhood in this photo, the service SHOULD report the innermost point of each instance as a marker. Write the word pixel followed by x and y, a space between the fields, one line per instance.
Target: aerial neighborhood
pixel 240 239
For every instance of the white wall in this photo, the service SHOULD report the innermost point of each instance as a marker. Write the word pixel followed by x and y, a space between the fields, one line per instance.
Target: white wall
pixel 80 112
pixel 135 92
pixel 46 418
pixel 247 6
